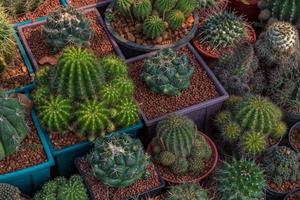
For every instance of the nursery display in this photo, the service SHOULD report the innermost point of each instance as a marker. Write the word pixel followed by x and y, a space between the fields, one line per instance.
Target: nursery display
pixel 187 192
pixel 294 137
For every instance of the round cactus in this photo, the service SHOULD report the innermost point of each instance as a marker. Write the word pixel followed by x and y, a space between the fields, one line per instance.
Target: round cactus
pixel 124 6
pixel 113 67
pixel 163 6
pixel 127 113
pixel 109 94
pixel 153 27
pixel 279 130
pixel 7 41
pixel 180 166
pixel 124 85
pixel 141 9
pixel 231 131
pixel 186 6
pixel 166 158
pixel 55 113
pixel 187 192
pixel 74 189
pixel 196 166
pixel 9 192
pixel 222 118
pixel 175 19
pixel 253 143
pixel 241 179
pixel 125 161
pixel 201 150
pixel 40 95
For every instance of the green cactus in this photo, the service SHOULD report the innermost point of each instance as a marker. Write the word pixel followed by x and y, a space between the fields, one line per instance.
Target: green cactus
pixel 109 94
pixel 166 158
pixel 78 75
pixel 44 75
pixel 9 192
pixel 223 118
pixel 222 30
pixel 141 9
pixel 13 129
pixel 175 19
pixel 167 73
pixel 40 95
pixel 241 179
pixel 207 3
pixel 7 41
pixel 187 6
pixel 124 85
pixel 93 119
pixel 153 27
pixel 125 161
pixel 180 166
pixel 65 27
pixel 231 131
pixel 127 113
pixel 55 114
pixel 187 192
pixel 201 150
pixel 281 165
pixel 124 7
pixel 113 67
pixel 163 6
pixel 253 143
pixel 19 7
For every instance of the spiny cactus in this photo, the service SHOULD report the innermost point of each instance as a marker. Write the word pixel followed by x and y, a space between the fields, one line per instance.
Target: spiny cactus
pixel 222 30
pixel 7 41
pixel 78 74
pixel 113 67
pixel 19 7
pixel 253 143
pixel 186 6
pixel 55 114
pixel 127 113
pixel 153 27
pixel 278 45
pixel 141 9
pixel 238 70
pixel 13 127
pixel 231 131
pixel 40 95
pixel 281 165
pixel 124 6
pixel 125 161
pixel 206 3
pixel 124 85
pixel 164 6
pixel 240 179
pixel 65 27
pixel 109 94
pixel 187 192
pixel 9 192
pixel 93 119
pixel 167 73
pixel 175 19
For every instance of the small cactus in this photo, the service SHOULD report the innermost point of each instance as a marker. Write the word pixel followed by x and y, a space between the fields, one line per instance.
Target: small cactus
pixel 163 6
pixel 40 95
pixel 175 19
pixel 207 3
pixel 127 113
pixel 153 27
pixel 113 67
pixel 109 94
pixel 253 143
pixel 20 7
pixel 9 192
pixel 124 85
pixel 187 192
pixel 186 6
pixel 124 6
pixel 141 9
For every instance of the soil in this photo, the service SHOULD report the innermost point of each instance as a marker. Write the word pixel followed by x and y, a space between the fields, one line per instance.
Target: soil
pixel 80 3
pixel 102 192
pixel 100 43
pixel 295 138
pixel 61 141
pixel 30 153
pixel 155 105
pixel 16 75
pixel 295 196
pixel 45 8
pixel 286 187
pixel 272 141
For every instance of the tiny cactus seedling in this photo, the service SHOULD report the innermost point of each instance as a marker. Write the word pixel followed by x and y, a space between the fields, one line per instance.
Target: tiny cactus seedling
pixel 127 113
pixel 187 192
pixel 9 192
pixel 153 27
pixel 113 67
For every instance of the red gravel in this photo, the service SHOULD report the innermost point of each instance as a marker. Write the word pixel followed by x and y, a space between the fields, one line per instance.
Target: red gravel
pixel 295 196
pixel 30 153
pixel 154 105
pixel 295 138
pixel 286 187
pixel 102 192
pixel 61 141
pixel 80 3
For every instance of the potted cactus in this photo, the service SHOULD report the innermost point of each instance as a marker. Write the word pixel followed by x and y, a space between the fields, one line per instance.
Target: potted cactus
pixel 220 32
pixel 294 137
pixel 181 153
pixel 250 125
pixel 187 192
pixel 118 168
pixel 247 8
pixel 145 25
pixel 281 165
pixel 295 195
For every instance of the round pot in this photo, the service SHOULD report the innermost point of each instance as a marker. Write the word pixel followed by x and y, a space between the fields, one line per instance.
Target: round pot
pixel 289 136
pixel 291 193
pixel 142 48
pixel 200 177
pixel 250 11
pixel 220 6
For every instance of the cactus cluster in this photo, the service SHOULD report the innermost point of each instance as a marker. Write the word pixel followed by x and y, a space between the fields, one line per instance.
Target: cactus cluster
pixel 187 192
pixel 278 45
pixel 66 27
pixel 222 30
pixel 250 120
pixel 13 128
pixel 9 192
pixel 240 179
pixel 20 7
pixel 62 189
pixel 239 71
pixel 179 147
pixel 125 161
pixel 281 165
pixel 167 73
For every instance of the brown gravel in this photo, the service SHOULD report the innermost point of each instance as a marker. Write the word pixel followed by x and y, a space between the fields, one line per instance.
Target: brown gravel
pixel 45 8
pixel 272 141
pixel 286 187
pixel 79 3
pixel 155 105
pixel 30 153
pixel 295 138
pixel 100 43
pixel 61 141
pixel 102 192
pixel 295 196
pixel 16 74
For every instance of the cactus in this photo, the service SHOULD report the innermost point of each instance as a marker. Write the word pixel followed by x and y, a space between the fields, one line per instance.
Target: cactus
pixel 163 6
pixel 93 117
pixel 222 30
pixel 175 19
pixel 167 73
pixel 125 161
pixel 127 113
pixel 113 67
pixel 278 45
pixel 9 192
pixel 206 3
pixel 109 94
pixel 253 143
pixel 13 129
pixel 186 6
pixel 124 85
pixel 201 150
pixel 40 95
pixel 281 165
pixel 231 131
pixel 124 7
pixel 180 166
pixel 237 70
pixel 7 41
pixel 19 7
pixel 78 75
pixel 241 179
pixel 55 114
pixel 187 192
pixel 141 9
pixel 153 27
pixel 65 27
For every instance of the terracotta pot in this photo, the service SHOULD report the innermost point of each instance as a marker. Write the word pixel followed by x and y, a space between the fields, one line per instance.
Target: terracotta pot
pixel 250 11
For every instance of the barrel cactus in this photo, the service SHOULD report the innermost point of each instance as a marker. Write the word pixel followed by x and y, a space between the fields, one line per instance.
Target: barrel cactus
pixel 40 94
pixel 7 41
pixel 153 27
pixel 13 128
pixel 124 85
pixel 253 143
pixel 113 67
pixel 163 6
pixel 9 192
pixel 187 192
pixel 186 6
pixel 65 27
pixel 175 19
pixel 141 9
pixel 78 74
pixel 109 94
pixel 124 7
pixel 167 73
pixel 125 161
pixel 127 113
pixel 240 179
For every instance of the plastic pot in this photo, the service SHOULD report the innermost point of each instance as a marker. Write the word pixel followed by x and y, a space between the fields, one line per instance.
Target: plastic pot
pixel 291 193
pixel 250 11
pixel 289 136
